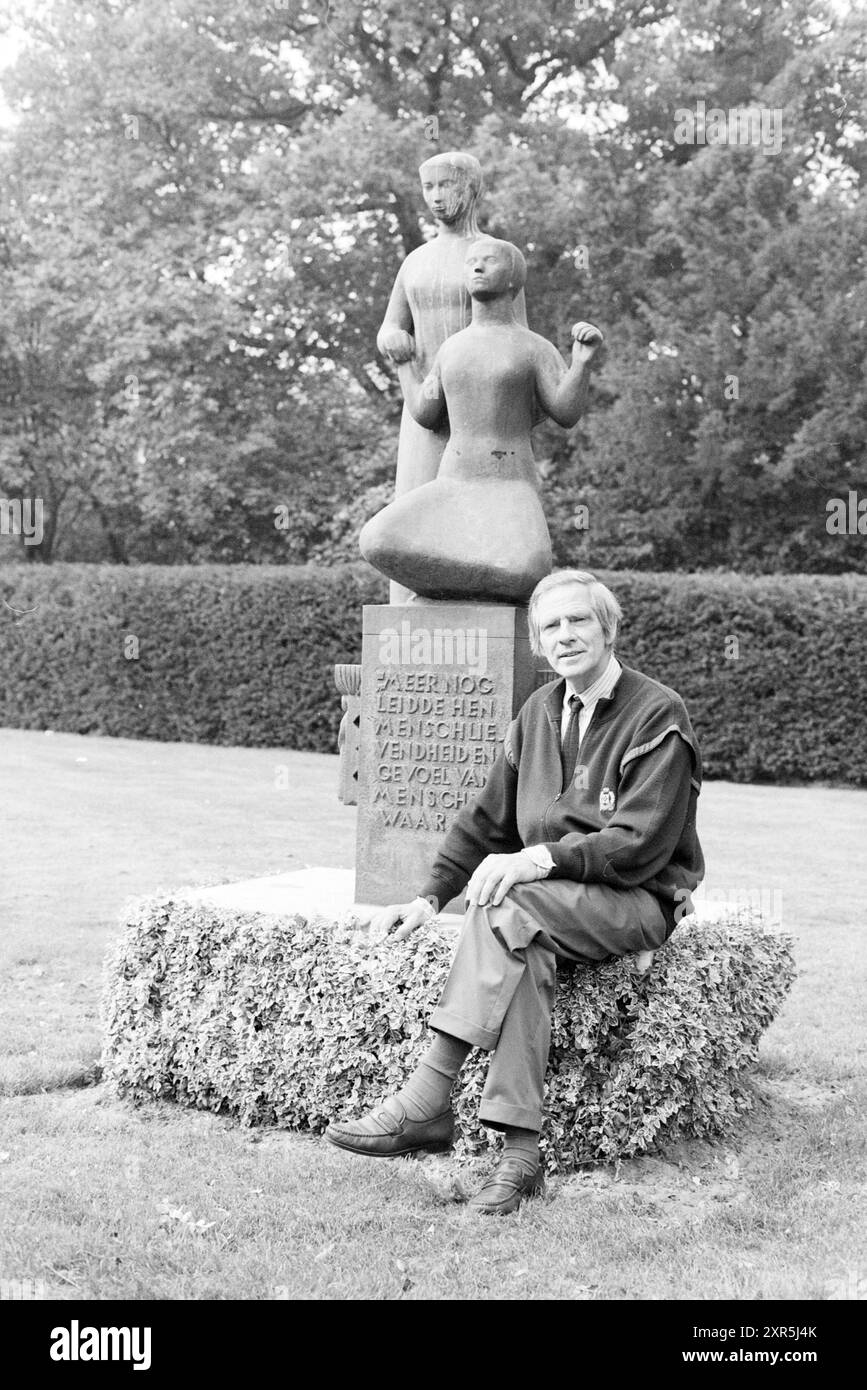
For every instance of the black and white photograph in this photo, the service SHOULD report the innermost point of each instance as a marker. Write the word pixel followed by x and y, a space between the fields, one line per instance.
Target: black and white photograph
pixel 433 669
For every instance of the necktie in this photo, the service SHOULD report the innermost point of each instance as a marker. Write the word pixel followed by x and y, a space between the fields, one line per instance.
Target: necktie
pixel 569 745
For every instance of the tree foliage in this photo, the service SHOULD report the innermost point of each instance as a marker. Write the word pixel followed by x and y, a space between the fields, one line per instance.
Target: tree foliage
pixel 205 205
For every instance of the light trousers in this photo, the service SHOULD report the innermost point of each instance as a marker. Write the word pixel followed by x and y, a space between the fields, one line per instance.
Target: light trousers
pixel 499 994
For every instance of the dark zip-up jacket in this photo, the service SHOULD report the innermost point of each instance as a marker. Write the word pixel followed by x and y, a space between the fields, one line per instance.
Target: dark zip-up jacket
pixel 626 819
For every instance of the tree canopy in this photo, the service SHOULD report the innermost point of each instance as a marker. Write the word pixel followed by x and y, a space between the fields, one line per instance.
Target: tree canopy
pixel 205 204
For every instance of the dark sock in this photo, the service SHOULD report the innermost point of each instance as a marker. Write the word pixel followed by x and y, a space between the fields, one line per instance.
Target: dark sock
pixel 523 1146
pixel 428 1090
pixel 447 1054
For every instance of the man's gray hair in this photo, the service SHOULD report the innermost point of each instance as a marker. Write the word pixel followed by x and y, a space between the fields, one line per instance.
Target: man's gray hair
pixel 603 603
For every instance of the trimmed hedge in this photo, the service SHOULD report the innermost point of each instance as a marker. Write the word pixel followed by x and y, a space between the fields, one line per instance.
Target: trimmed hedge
pixel 773 670
pixel 292 1022
pixel 226 654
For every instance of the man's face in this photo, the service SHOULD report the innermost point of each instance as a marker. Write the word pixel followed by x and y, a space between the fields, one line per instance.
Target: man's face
pixel 446 191
pixel 571 635
pixel 487 270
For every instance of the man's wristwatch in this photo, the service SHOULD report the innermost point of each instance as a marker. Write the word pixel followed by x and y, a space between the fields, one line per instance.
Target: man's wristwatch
pixel 541 857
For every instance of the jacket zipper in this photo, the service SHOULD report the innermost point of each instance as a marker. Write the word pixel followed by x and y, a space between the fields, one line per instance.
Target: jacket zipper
pixel 545 817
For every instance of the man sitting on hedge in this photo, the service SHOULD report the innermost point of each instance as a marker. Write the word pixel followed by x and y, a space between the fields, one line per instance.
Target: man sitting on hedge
pixel 581 845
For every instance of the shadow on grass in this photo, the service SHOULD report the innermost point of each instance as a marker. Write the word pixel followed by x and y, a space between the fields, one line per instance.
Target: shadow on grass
pixel 27 1077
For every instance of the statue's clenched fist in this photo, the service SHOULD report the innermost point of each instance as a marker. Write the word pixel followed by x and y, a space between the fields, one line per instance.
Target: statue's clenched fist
pixel 586 338
pixel 396 345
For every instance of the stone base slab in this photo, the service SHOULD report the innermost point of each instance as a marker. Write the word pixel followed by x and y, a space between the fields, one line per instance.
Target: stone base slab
pixel 313 892
pixel 326 892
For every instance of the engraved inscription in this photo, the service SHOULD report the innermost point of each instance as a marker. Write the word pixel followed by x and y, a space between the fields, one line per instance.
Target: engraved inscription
pixel 436 733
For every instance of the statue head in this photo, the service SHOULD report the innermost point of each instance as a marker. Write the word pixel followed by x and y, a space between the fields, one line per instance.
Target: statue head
pixel 451 184
pixel 493 267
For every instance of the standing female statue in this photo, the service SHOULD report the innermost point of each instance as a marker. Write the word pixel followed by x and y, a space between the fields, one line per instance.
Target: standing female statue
pixel 429 302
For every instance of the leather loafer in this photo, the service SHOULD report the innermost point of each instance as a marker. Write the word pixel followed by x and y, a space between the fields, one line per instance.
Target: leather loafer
pixel 506 1188
pixel 389 1134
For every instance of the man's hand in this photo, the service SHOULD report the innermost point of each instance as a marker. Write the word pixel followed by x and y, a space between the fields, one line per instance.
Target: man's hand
pixel 586 338
pixel 396 345
pixel 497 873
pixel 408 915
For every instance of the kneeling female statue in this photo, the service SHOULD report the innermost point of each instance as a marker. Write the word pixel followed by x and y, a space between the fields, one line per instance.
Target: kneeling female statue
pixel 477 530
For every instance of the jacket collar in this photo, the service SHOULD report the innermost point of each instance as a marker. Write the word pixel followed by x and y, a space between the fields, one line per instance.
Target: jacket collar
pixel 554 704
pixel 555 696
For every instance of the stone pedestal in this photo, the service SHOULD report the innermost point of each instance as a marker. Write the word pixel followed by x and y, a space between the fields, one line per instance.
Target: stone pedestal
pixel 440 684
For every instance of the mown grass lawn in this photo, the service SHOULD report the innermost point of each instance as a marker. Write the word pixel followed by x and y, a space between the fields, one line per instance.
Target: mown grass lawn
pixel 103 1200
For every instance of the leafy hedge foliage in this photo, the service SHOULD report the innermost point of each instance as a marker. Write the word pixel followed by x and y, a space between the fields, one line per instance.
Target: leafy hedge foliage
pixel 293 1022
pixel 773 670
pixel 226 654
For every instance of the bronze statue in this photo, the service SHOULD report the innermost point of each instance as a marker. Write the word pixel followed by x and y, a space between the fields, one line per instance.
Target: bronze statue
pixel 429 302
pixel 477 530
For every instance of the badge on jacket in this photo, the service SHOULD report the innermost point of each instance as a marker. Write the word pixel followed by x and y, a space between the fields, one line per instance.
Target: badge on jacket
pixel 606 800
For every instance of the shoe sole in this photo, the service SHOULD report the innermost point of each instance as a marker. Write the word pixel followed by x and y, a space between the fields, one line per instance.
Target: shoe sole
pixel 435 1146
